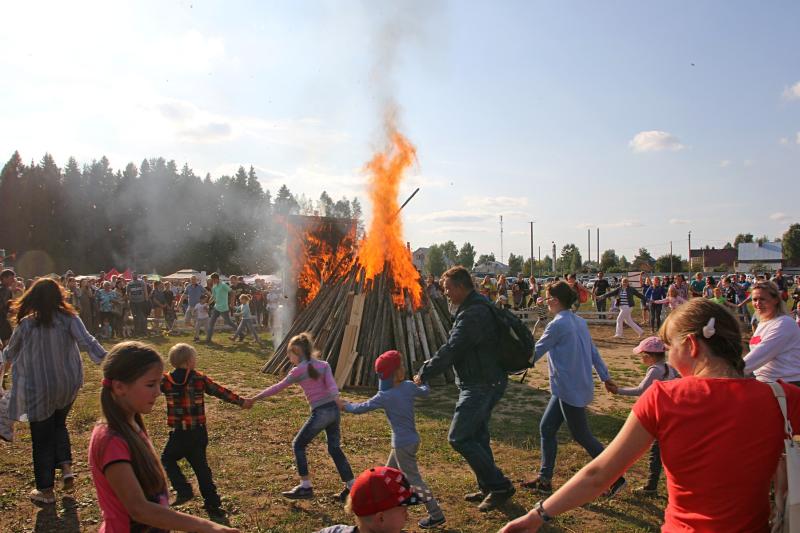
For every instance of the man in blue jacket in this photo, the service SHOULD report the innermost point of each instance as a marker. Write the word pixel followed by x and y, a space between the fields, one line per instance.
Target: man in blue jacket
pixel 472 351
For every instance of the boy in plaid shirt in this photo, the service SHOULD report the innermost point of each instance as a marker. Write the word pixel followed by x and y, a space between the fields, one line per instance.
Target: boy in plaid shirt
pixel 184 389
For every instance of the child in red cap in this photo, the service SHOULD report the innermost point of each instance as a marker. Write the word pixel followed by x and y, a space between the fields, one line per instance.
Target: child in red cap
pixel 396 397
pixel 378 499
pixel 652 352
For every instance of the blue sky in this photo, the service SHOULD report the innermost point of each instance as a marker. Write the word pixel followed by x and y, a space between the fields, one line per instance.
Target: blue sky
pixel 646 120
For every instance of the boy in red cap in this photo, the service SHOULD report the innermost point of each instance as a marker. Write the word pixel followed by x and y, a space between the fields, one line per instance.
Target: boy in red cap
pixel 396 397
pixel 378 499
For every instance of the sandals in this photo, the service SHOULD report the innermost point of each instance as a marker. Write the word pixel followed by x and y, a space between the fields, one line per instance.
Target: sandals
pixel 45 497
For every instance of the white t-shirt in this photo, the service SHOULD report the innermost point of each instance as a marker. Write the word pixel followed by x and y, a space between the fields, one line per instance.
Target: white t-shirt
pixel 201 311
pixel 775 350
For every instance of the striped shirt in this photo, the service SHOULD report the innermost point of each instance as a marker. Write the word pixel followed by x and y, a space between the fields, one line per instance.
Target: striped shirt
pixel 47 370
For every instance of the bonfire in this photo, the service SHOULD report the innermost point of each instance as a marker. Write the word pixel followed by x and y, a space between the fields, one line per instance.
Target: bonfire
pixel 360 301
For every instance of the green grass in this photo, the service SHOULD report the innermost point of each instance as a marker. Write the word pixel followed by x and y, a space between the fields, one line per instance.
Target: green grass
pixel 251 457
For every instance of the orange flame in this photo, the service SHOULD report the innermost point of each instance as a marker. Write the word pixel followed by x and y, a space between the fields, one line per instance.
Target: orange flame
pixel 320 260
pixel 383 247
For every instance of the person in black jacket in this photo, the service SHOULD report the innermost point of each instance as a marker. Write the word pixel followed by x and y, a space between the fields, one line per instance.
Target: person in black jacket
pixel 625 301
pixel 472 351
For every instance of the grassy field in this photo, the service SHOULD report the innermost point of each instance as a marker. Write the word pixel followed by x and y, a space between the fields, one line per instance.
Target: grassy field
pixel 251 457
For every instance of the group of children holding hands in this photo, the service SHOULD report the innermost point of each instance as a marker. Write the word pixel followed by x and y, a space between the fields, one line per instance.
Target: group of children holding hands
pixel 131 481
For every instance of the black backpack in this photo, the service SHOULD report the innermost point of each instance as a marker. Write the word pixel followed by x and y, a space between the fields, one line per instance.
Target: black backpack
pixel 516 340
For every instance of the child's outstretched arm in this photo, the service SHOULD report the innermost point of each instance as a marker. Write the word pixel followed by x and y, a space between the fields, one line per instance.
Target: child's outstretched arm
pixel 649 378
pixel 215 389
pixel 276 388
pixel 376 402
pixel 123 482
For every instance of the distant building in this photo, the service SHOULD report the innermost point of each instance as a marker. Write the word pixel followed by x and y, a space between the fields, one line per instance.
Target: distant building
pixel 711 258
pixel 419 257
pixel 767 256
pixel 490 267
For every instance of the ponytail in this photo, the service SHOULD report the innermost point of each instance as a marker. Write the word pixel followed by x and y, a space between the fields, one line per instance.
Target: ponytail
pixel 305 342
pixel 711 324
pixel 127 362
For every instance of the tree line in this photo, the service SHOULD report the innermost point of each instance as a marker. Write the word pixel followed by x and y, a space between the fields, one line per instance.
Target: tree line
pixel 154 217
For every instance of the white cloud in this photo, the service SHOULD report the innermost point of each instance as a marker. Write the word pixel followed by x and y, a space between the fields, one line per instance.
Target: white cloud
pixel 453 216
pixel 724 163
pixel 496 201
pixel 629 223
pixel 783 140
pixel 444 230
pixel 792 93
pixel 748 162
pixel 797 140
pixel 679 221
pixel 779 216
pixel 624 224
pixel 655 141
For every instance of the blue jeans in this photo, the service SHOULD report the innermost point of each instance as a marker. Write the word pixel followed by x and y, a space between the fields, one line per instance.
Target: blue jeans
pixel 247 325
pixel 226 317
pixel 554 415
pixel 469 433
pixel 325 417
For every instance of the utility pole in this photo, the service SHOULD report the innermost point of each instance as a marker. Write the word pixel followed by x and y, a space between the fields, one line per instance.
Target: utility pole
pixel 540 258
pixel 531 223
pixel 670 258
pixel 598 245
pixel 501 239
pixel 690 251
pixel 554 257
pixel 589 244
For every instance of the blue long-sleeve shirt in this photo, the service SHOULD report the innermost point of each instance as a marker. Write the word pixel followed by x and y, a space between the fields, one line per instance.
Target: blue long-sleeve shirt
pixel 398 404
pixel 655 293
pixel 572 356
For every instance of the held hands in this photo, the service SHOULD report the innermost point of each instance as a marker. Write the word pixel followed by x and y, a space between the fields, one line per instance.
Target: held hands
pixel 417 380
pixel 340 403
pixel 611 386
pixel 248 403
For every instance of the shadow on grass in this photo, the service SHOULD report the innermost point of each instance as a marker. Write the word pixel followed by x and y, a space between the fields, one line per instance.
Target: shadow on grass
pixel 515 420
pixel 47 519
pixel 626 516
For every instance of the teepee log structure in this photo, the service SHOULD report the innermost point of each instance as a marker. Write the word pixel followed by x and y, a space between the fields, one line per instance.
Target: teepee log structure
pixel 354 320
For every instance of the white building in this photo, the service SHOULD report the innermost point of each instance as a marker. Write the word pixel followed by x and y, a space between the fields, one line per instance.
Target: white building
pixel 490 267
pixel 768 255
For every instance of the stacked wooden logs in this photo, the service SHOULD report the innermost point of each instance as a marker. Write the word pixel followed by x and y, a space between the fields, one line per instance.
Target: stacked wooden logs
pixel 354 320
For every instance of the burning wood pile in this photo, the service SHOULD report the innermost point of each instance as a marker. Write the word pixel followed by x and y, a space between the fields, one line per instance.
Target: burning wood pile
pixel 354 320
pixel 371 299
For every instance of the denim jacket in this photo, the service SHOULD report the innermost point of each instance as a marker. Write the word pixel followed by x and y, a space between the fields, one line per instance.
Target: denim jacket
pixel 471 348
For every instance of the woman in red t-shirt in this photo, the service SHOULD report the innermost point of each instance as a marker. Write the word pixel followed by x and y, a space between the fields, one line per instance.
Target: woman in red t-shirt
pixel 721 435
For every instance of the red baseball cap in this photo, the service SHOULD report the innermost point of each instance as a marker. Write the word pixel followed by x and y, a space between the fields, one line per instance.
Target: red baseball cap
pixel 382 488
pixel 388 363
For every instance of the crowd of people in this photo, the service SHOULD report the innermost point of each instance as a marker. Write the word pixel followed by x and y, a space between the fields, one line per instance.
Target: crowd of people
pixel 112 307
pixel 700 389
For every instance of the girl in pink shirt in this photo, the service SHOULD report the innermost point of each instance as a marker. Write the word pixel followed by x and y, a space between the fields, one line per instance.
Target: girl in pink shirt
pixel 673 299
pixel 127 475
pixel 316 380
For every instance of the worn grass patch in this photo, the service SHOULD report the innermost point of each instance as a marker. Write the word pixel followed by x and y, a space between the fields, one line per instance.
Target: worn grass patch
pixel 251 457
